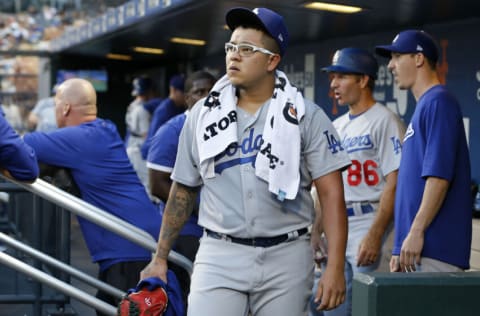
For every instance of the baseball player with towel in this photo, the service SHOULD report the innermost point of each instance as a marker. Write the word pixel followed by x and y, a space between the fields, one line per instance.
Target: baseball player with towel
pixel 371 134
pixel 254 146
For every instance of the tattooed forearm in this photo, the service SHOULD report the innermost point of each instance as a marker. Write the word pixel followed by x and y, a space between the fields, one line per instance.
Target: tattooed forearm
pixel 177 211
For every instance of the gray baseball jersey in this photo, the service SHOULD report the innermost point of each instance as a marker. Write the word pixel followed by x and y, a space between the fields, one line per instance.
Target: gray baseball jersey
pixel 137 120
pixel 373 142
pixel 45 112
pixel 236 201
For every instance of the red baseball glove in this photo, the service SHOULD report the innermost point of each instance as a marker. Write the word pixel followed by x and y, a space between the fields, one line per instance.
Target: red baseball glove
pixel 144 302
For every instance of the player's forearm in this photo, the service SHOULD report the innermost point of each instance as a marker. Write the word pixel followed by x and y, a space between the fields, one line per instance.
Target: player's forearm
pixel 160 183
pixel 334 218
pixel 317 227
pixel 335 228
pixel 177 211
pixel 433 197
pixel 384 215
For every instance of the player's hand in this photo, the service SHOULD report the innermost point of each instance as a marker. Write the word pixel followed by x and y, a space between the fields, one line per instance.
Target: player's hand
pixel 156 268
pixel 319 246
pixel 395 264
pixel 411 250
pixel 315 236
pixel 331 289
pixel 369 250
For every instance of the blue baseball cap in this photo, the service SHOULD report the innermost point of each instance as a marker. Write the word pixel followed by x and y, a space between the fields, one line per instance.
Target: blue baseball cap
pixel 263 18
pixel 141 85
pixel 353 60
pixel 178 82
pixel 411 41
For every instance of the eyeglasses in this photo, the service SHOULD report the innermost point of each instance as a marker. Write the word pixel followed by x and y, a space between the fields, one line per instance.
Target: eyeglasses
pixel 245 50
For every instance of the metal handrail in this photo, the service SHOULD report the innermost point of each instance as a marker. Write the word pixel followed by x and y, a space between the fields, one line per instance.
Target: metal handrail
pixel 57 284
pixel 61 266
pixel 93 214
pixel 100 217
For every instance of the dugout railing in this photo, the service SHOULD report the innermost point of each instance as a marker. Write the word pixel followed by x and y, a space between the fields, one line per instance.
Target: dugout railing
pixel 71 204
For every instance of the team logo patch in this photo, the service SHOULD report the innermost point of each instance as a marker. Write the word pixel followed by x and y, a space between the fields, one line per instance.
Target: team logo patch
pixel 290 113
pixel 409 133
pixel 334 145
pixel 335 58
pixel 397 145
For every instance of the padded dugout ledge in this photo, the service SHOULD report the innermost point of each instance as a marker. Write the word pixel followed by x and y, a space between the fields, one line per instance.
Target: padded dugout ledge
pixel 421 294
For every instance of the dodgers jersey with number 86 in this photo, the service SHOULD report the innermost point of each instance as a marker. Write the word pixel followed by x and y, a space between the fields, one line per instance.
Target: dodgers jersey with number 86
pixel 372 139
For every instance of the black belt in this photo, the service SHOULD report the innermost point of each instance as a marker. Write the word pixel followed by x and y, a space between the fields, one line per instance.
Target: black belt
pixel 259 241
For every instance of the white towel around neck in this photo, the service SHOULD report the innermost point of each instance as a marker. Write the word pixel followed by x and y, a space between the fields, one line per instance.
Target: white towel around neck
pixel 278 160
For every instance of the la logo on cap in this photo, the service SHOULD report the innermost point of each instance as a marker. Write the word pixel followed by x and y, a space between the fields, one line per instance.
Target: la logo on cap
pixel 280 37
pixel 335 57
pixel 396 38
pixel 419 48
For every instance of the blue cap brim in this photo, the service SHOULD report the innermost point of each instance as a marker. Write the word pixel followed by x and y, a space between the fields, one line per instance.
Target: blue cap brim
pixel 384 50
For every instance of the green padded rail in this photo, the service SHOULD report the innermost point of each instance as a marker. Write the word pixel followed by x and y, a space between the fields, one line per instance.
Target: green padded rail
pixel 416 294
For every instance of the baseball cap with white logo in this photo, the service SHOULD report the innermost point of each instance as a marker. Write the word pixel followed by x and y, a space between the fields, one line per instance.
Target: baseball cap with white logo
pixel 411 41
pixel 264 18
pixel 353 60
